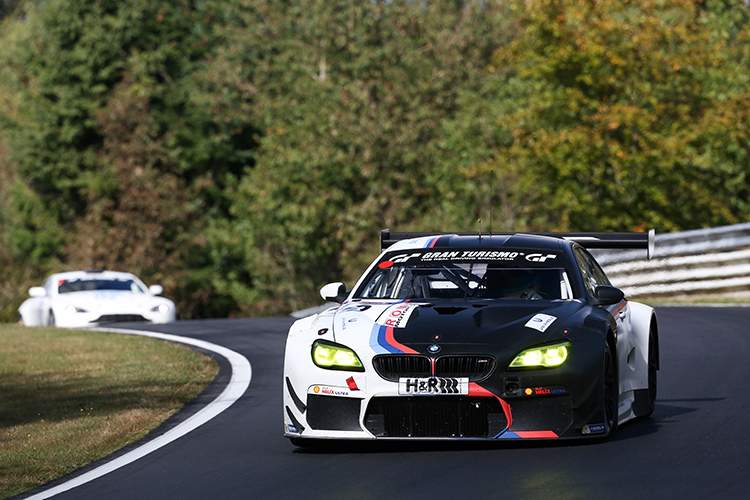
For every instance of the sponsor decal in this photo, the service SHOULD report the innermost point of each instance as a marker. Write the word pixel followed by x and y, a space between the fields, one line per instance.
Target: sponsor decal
pixel 325 390
pixel 291 429
pixel 345 321
pixel 540 322
pixel 405 257
pixel 593 429
pixel 455 255
pixel 469 255
pixel 433 385
pixel 431 242
pixel 537 257
pixel 382 340
pixel 545 391
pixel 397 316
pixel 352 384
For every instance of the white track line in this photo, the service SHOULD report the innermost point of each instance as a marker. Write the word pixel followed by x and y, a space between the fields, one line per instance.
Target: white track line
pixel 239 382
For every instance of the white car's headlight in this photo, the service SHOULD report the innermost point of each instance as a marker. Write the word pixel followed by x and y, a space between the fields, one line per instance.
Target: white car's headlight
pixel 161 308
pixel 74 310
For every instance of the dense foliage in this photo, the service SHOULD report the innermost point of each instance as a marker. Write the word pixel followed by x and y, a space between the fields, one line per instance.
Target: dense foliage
pixel 245 152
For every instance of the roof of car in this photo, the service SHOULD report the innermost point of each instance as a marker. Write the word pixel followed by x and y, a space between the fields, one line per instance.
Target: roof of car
pixel 484 241
pixel 540 241
pixel 93 274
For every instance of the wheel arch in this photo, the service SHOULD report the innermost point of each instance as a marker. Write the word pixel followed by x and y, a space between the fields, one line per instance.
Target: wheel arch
pixel 643 323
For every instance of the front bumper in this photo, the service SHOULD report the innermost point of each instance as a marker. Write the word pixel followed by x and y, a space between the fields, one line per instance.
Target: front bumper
pixel 565 402
pixel 84 319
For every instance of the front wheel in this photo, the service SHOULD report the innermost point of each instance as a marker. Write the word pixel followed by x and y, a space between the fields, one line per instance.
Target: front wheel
pixel 610 391
pixel 652 368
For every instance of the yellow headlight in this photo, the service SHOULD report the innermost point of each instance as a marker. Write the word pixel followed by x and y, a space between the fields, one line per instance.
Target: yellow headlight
pixel 547 356
pixel 329 355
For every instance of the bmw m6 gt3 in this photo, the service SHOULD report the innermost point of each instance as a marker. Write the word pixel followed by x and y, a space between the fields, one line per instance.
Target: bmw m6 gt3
pixel 448 336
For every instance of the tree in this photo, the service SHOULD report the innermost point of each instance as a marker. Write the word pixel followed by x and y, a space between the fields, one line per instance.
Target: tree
pixel 350 100
pixel 615 111
pixel 118 166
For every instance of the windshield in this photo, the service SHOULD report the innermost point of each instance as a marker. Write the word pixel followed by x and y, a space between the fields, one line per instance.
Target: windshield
pixel 65 286
pixel 520 275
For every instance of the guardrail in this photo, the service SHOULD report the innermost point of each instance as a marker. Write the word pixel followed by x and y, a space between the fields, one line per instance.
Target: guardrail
pixel 701 261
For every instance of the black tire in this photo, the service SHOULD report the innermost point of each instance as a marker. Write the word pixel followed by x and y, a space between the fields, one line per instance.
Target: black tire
pixel 51 318
pixel 653 366
pixel 610 399
pixel 299 442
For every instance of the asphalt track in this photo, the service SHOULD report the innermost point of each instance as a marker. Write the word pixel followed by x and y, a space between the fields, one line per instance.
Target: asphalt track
pixel 696 444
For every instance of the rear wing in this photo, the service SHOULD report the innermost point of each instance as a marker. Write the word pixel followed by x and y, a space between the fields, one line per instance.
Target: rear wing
pixel 586 240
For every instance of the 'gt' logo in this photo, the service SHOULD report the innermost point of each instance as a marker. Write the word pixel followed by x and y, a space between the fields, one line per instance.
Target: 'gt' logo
pixel 537 257
pixel 404 258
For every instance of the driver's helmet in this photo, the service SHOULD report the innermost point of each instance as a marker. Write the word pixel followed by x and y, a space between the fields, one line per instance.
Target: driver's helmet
pixel 511 282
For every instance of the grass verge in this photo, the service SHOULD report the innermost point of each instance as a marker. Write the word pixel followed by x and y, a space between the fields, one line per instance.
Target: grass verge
pixel 69 397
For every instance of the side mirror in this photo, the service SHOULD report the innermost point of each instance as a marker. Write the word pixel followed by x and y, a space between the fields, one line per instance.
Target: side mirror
pixel 334 292
pixel 156 289
pixel 608 295
pixel 37 292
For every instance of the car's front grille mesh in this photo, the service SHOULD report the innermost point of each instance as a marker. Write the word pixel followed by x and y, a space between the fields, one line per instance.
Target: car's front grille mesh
pixel 474 367
pixel 435 417
pixel 119 318
pixel 394 366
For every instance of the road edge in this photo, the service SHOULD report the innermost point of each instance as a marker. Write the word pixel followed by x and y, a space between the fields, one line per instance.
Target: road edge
pixel 236 387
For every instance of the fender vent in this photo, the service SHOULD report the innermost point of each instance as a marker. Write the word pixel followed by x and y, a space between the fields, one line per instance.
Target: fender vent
pixel 595 324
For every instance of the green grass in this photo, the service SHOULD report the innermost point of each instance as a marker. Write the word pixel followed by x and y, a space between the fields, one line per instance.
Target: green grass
pixel 69 397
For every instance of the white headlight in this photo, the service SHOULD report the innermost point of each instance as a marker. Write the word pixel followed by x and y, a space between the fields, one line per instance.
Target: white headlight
pixel 163 308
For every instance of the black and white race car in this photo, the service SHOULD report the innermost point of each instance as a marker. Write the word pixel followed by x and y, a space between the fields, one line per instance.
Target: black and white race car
pixel 456 336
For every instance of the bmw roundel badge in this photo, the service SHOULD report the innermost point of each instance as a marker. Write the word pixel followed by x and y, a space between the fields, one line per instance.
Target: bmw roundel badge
pixel 434 348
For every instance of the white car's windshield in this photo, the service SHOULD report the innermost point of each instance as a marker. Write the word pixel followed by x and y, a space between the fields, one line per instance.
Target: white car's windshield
pixel 99 284
pixel 417 277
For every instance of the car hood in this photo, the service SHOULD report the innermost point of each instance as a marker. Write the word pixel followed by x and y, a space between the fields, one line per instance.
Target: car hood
pixel 413 327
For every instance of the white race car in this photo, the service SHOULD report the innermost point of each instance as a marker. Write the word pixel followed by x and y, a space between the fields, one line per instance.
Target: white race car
pixel 447 336
pixel 83 298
